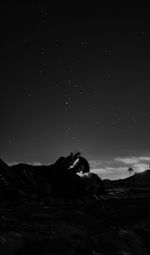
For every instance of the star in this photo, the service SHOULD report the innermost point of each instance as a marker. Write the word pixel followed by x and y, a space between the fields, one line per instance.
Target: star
pixel 108 75
pixel 43 70
pixel 57 85
pixel 81 92
pixel 141 35
pixel 82 43
pixel 69 82
pixel 106 52
pixel 45 13
pixel 113 108
pixel 133 120
pixel 147 115
pixel 94 108
pixel 11 140
pixel 114 124
pixel 43 51
pixel 98 122
pixel 25 40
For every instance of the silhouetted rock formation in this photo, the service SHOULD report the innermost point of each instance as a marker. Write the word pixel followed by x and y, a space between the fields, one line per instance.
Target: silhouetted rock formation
pixel 93 184
pixel 7 180
pixel 22 177
pixel 61 177
pixel 3 174
pixel 80 164
pixel 3 164
pixel 93 222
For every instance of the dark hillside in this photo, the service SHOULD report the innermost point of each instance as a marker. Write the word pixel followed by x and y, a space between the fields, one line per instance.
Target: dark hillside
pixel 36 220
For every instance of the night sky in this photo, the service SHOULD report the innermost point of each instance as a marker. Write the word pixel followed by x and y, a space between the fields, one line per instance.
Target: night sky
pixel 75 81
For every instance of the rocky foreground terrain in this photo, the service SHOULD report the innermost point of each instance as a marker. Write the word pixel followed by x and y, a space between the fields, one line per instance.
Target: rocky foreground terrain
pixel 115 223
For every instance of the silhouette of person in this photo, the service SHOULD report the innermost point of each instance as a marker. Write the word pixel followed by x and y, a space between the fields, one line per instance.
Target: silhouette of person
pixel 84 165
pixel 80 164
pixel 63 163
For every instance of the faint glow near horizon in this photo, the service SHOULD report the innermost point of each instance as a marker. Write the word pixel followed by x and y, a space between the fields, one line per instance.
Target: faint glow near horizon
pixel 111 169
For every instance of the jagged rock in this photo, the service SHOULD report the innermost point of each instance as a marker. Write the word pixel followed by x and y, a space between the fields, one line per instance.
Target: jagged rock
pixel 57 177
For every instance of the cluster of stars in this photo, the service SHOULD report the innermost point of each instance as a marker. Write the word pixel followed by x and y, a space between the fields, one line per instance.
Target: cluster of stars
pixel 43 51
pixel 67 97
pixel 69 85
pixel 44 14
pixel 107 52
pixel 70 132
pixel 69 91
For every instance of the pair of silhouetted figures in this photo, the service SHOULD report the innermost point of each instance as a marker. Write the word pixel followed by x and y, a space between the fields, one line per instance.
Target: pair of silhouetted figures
pixel 62 176
pixel 73 163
